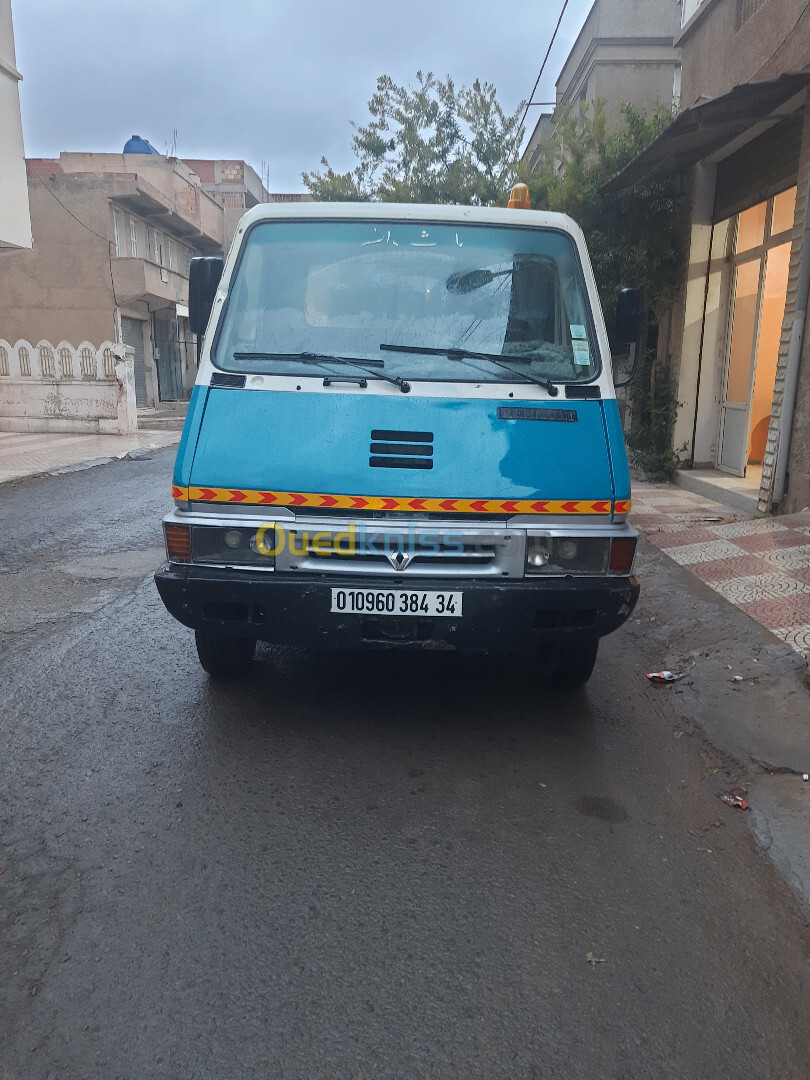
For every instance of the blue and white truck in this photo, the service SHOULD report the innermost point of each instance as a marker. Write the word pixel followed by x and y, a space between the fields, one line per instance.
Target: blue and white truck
pixel 404 434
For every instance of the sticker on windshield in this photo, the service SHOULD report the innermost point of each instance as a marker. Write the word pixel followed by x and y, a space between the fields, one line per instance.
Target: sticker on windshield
pixel 578 331
pixel 582 353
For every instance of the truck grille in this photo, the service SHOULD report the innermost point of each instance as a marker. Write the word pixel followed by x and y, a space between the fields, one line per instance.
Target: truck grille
pixel 401 450
pixel 402 553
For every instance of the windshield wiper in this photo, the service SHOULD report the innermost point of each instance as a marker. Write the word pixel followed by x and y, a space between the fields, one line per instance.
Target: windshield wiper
pixel 369 366
pixel 468 354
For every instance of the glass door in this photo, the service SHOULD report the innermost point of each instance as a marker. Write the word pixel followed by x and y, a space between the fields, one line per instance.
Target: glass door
pixel 759 290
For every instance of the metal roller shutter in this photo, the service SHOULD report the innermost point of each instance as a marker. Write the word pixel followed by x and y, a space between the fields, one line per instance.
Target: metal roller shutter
pixel 132 333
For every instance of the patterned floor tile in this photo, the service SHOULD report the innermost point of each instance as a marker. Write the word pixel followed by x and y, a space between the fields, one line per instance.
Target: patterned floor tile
pixel 797 636
pixel 773 541
pixel 743 590
pixel 668 536
pixel 709 552
pixel 641 520
pixel 790 611
pixel 788 559
pixel 761 565
pixel 725 569
pixel 755 527
pixel 675 527
pixel 709 515
pixel 672 508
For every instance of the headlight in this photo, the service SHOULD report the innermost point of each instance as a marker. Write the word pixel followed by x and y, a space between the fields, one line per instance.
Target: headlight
pixel 233 546
pixel 567 554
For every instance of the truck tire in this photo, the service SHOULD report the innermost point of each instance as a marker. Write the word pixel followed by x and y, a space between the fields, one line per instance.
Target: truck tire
pixel 574 664
pixel 224 657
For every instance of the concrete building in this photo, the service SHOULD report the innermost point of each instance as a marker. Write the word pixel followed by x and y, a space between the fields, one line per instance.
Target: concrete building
pixel 15 220
pixel 739 350
pixel 236 187
pixel 623 53
pixel 113 238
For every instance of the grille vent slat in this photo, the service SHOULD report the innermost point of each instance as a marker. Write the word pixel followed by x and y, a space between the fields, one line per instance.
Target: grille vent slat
pixel 401 450
pixel 400 463
pixel 403 436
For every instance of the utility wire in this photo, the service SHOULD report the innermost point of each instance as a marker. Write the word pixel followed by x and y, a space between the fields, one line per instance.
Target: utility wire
pixel 545 61
pixel 106 239
pixel 784 40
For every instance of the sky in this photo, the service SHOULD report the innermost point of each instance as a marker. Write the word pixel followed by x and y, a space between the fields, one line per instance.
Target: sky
pixel 274 82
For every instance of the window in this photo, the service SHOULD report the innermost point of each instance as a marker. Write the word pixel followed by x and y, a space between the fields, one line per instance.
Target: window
pixel 170 244
pixel 406 296
pixel 133 238
pixel 116 232
pixel 745 9
pixel 688 9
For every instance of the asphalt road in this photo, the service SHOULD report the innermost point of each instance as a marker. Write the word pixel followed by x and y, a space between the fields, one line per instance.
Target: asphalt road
pixel 354 866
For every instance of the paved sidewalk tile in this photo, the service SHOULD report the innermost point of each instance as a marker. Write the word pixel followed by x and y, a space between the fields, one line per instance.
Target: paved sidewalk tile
pixel 761 565
pixel 27 453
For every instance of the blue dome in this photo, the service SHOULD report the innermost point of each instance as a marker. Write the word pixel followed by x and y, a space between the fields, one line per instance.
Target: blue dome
pixel 137 145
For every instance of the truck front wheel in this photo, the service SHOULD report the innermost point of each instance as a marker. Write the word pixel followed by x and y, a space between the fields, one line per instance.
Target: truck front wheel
pixel 574 664
pixel 224 657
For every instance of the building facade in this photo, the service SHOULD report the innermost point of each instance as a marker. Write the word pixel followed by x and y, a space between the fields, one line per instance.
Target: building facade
pixel 237 187
pixel 15 219
pixel 114 235
pixel 624 53
pixel 740 354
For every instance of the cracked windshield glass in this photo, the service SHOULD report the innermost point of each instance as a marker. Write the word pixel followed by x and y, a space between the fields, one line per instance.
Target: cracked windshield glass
pixel 305 292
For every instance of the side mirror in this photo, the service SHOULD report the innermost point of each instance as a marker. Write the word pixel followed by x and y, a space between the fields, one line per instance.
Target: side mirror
pixel 629 311
pixel 624 368
pixel 203 279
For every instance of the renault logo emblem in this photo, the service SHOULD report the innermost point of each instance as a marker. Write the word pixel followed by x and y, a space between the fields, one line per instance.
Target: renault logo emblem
pixel 398 559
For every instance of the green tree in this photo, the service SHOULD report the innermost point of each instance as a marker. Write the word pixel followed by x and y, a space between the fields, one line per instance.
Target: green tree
pixel 429 143
pixel 633 239
pixel 632 236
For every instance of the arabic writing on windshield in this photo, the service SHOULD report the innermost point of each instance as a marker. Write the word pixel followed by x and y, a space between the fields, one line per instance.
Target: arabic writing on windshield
pixel 345 288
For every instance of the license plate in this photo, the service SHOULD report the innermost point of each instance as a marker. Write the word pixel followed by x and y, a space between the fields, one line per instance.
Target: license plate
pixel 395 602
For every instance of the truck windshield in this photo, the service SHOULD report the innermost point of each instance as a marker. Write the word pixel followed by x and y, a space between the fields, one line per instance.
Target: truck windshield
pixel 348 288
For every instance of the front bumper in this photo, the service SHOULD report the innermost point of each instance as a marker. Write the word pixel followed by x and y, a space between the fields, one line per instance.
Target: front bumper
pixel 507 615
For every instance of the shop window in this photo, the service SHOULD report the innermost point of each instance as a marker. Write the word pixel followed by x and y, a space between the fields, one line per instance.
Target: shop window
pixel 751 228
pixel 784 212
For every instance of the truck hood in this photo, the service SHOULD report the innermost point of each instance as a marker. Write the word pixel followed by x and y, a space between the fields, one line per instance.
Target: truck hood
pixel 397 447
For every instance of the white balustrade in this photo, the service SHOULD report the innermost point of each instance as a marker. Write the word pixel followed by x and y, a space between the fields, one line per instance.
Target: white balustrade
pixel 62 387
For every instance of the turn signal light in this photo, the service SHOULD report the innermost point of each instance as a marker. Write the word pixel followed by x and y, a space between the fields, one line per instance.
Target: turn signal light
pixel 178 542
pixel 622 553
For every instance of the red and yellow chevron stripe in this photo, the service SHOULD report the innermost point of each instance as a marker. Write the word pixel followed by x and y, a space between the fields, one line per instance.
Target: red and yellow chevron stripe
pixel 373 502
